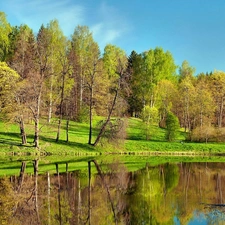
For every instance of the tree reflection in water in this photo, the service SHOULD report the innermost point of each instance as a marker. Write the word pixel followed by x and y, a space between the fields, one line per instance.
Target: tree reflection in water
pixel 109 194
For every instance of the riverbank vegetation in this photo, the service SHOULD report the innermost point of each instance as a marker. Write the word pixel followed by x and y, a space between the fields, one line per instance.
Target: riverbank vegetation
pixel 67 97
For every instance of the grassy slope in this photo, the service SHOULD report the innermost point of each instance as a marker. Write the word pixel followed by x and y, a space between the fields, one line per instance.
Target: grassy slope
pixel 78 138
pixel 158 145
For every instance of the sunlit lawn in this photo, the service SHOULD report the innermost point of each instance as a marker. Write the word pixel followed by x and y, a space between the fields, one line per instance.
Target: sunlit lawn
pixel 135 143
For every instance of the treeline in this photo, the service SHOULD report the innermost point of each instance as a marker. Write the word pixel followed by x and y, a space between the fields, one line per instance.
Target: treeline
pixel 50 75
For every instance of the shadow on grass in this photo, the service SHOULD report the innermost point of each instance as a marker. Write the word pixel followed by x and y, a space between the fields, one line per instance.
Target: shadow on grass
pixel 13 139
pixel 83 146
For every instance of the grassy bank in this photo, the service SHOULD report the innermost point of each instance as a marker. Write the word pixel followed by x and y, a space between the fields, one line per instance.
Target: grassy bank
pixel 135 143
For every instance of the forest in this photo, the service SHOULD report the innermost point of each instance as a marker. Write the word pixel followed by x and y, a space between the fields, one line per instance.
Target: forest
pixel 48 75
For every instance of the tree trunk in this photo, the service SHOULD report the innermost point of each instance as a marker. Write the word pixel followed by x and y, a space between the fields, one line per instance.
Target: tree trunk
pixel 49 195
pixel 61 106
pixel 89 192
pixel 22 131
pixel 50 101
pixel 36 133
pixel 59 201
pixel 90 116
pixel 35 164
pixel 67 130
pixel 36 118
pixel 58 131
pixel 220 119
pixel 21 178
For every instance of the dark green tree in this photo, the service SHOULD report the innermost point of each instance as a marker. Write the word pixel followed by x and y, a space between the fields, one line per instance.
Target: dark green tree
pixel 172 126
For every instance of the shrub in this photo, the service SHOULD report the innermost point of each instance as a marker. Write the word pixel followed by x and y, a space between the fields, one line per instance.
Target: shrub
pixel 203 133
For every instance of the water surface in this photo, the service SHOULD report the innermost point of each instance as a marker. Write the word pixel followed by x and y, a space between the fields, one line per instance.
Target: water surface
pixel 170 193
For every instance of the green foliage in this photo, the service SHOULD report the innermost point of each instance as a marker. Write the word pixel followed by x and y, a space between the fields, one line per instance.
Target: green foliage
pixel 172 126
pixel 149 116
pixel 83 114
pixel 5 30
pixel 148 69
pixel 186 70
pixel 8 82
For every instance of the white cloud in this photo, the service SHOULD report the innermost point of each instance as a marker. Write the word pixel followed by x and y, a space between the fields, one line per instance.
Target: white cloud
pixel 35 13
pixel 111 27
pixel 105 21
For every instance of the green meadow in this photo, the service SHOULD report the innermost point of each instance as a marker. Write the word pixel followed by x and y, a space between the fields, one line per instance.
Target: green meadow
pixel 135 142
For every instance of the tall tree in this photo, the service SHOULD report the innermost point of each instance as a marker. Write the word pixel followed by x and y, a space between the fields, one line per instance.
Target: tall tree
pixel 20 56
pixel 217 83
pixel 166 93
pixel 134 101
pixel 204 103
pixel 21 59
pixel 86 69
pixel 65 81
pixel 187 96
pixel 115 64
pixel 92 81
pixel 56 49
pixel 38 73
pixel 82 40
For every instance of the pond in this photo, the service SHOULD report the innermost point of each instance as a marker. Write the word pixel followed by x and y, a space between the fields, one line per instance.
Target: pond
pixel 100 193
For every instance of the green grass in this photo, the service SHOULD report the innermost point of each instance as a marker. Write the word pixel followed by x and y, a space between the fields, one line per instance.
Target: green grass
pixel 10 141
pixel 135 143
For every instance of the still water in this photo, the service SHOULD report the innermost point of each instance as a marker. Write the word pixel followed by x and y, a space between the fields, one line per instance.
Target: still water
pixel 171 193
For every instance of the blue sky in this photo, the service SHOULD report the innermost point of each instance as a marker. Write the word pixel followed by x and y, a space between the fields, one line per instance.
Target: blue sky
pixel 192 30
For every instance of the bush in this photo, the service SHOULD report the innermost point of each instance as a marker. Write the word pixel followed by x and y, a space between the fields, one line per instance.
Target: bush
pixel 203 133
pixel 115 132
